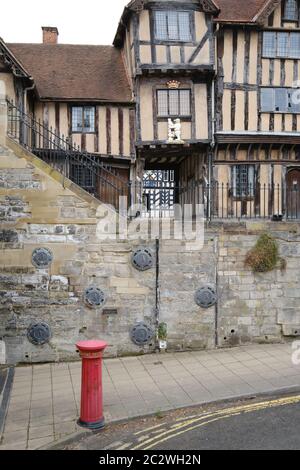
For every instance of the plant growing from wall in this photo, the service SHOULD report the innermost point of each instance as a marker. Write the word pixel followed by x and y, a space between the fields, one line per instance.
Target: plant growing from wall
pixel 162 332
pixel 264 257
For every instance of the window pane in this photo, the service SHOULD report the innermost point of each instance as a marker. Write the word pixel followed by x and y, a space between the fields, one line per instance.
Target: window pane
pixel 269 49
pixel 281 100
pixel 243 180
pixel 89 119
pixel 295 45
pixel 173 103
pixel 282 44
pixel 82 176
pixel 173 25
pixel 294 100
pixel 161 31
pixel 77 119
pixel 162 102
pixel 290 10
pixel 184 26
pixel 185 105
pixel 267 99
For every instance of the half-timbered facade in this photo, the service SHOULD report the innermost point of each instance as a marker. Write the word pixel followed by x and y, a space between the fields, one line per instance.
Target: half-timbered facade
pixel 226 71
pixel 257 109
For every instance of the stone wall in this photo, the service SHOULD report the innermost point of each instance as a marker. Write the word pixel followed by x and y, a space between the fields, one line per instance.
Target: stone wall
pixel 257 307
pixel 40 209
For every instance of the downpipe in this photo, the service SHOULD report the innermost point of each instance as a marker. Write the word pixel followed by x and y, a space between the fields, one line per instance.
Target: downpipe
pixel 157 294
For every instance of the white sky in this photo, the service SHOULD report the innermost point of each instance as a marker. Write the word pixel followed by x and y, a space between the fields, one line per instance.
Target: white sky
pixel 78 21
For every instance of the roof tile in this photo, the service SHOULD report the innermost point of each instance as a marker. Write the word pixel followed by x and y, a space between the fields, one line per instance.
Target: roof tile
pixel 75 72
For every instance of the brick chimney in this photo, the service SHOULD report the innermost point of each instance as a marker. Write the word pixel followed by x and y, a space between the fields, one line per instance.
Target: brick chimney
pixel 50 35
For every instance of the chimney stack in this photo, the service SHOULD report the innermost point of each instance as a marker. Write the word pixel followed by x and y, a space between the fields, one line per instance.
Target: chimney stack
pixel 50 35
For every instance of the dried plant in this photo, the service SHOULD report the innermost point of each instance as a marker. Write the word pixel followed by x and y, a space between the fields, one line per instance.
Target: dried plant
pixel 264 257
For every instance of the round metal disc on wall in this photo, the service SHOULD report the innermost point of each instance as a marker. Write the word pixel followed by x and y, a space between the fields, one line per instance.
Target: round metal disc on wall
pixel 141 334
pixel 39 333
pixel 142 259
pixel 41 258
pixel 206 297
pixel 94 297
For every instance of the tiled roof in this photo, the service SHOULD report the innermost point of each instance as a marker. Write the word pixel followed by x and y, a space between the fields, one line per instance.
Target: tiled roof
pixel 240 10
pixel 75 72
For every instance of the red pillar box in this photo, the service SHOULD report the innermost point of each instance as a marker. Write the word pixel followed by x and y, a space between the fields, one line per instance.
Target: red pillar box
pixel 91 414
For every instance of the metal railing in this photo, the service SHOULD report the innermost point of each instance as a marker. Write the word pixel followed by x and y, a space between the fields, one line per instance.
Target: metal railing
pixel 155 198
pixel 83 168
pixel 223 201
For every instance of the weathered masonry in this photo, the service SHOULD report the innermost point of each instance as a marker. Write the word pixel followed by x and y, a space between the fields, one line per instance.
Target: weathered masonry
pixel 196 102
pixel 59 283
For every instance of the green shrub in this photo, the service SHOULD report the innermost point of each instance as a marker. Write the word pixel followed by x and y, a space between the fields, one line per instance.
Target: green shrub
pixel 162 331
pixel 264 257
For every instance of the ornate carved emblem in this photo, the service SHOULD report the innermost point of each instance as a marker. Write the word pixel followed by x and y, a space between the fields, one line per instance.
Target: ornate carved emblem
pixel 141 334
pixel 173 84
pixel 206 297
pixel 94 297
pixel 41 258
pixel 39 333
pixel 142 259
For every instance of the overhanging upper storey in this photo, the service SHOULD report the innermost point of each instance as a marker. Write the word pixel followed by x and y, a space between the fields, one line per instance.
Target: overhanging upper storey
pixel 167 36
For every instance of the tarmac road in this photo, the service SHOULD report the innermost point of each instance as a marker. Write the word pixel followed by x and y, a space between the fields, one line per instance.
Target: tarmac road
pixel 268 423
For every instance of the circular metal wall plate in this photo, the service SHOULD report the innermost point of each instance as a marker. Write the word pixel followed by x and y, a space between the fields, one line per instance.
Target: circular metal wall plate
pixel 142 259
pixel 39 333
pixel 42 258
pixel 94 297
pixel 141 334
pixel 206 297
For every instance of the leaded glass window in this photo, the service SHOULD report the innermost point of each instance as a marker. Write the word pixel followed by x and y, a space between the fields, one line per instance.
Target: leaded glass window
pixel 269 49
pixel 83 119
pixel 281 44
pixel 174 103
pixel 83 177
pixel 172 26
pixel 291 10
pixel 280 100
pixel 243 181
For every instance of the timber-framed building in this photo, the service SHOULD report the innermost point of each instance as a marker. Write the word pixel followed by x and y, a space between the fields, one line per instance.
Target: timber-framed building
pixel 227 70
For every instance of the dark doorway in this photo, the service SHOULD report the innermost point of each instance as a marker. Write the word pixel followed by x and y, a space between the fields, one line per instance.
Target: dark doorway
pixel 293 194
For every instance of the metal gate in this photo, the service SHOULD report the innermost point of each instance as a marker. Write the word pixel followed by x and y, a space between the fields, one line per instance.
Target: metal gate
pixel 159 192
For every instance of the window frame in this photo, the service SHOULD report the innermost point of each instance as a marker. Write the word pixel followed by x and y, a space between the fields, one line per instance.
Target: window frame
pixel 276 55
pixel 83 129
pixel 174 116
pixel 292 108
pixel 290 20
pixel 237 187
pixel 168 40
pixel 83 176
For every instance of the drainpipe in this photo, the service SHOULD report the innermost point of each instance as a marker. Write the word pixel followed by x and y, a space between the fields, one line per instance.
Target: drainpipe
pixel 211 150
pixel 24 132
pixel 32 87
pixel 157 292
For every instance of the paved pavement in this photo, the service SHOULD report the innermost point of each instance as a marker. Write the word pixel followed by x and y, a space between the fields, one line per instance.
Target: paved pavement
pixel 45 399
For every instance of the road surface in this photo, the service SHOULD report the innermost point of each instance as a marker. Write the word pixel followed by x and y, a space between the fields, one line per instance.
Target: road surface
pixel 266 423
